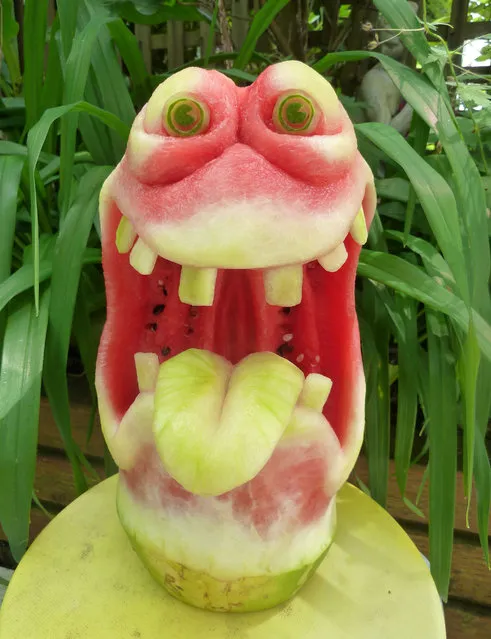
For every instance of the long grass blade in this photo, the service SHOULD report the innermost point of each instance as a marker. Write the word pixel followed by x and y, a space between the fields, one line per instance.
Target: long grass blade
pixel 468 369
pixel 9 31
pixel 421 133
pixel 407 389
pixel 130 51
pixel 10 173
pixel 433 192
pixel 263 18
pixel 443 449
pixel 35 140
pixel 35 20
pixel 482 476
pixel 21 368
pixel 76 74
pixel 411 280
pixel 53 82
pixel 67 11
pixel 67 265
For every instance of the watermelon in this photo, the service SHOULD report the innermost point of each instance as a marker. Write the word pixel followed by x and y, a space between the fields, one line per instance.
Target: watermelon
pixel 229 373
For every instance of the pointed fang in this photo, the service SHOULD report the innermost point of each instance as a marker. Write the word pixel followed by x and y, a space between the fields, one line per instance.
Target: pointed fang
pixel 197 286
pixel 358 229
pixel 147 370
pixel 315 392
pixel 125 235
pixel 143 258
pixel 334 260
pixel 283 285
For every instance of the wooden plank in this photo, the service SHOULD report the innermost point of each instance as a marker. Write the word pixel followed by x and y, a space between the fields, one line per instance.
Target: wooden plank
pixel 49 435
pixel 190 39
pixel 175 47
pixel 399 510
pixel 464 623
pixel 54 479
pixel 142 32
pixel 470 579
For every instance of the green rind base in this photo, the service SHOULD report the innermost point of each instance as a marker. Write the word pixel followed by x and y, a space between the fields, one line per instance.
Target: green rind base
pixel 202 590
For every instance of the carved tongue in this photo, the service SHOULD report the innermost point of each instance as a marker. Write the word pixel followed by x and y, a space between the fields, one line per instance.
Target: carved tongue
pixel 216 425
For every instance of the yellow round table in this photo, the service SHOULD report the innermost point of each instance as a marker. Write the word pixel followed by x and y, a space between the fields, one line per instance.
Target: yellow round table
pixel 81 580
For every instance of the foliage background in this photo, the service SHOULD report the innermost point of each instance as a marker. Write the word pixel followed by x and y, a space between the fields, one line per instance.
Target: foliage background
pixel 71 83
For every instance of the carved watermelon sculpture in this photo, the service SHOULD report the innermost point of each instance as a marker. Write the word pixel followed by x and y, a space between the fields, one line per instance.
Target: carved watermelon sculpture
pixel 229 376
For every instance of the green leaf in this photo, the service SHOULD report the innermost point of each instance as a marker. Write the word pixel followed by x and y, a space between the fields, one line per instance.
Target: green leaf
pixel 129 48
pixel 410 280
pixel 482 476
pixel 10 173
pixel 107 79
pixel 22 280
pixel 400 16
pixel 421 133
pixel 8 33
pixel 35 18
pixel 468 368
pixel 21 368
pixel 183 11
pixel 35 140
pixel 67 265
pixel 394 188
pixel 434 194
pixel 374 329
pixel 432 259
pixel 53 82
pixel 407 389
pixel 263 18
pixel 76 73
pixel 443 450
pixel 67 11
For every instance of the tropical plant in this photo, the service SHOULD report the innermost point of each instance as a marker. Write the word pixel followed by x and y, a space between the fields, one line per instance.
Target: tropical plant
pixel 423 297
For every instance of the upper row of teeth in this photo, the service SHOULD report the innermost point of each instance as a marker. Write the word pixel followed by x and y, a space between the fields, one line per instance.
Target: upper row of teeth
pixel 282 284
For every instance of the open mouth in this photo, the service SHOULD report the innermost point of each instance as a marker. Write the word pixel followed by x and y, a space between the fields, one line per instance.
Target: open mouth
pixel 229 375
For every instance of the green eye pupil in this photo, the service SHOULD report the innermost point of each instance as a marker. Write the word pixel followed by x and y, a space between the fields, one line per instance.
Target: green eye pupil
pixel 294 113
pixel 185 117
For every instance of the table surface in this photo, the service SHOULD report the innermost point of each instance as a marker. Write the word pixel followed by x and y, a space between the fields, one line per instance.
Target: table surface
pixel 81 579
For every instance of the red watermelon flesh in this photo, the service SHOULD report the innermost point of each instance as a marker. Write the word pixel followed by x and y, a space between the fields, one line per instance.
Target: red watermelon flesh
pixel 240 159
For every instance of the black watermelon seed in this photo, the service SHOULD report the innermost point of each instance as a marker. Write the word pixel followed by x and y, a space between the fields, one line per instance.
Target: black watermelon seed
pixel 165 351
pixel 189 330
pixel 159 308
pixel 164 291
pixel 152 326
pixel 286 311
pixel 284 349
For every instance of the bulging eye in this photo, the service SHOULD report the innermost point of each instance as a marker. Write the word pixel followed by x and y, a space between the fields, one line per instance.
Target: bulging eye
pixel 184 116
pixel 295 113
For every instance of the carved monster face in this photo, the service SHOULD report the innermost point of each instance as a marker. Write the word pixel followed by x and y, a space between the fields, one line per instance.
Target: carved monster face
pixel 231 234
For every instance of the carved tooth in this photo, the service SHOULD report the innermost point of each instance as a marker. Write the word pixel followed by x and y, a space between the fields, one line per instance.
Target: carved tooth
pixel 283 285
pixel 147 370
pixel 334 260
pixel 315 391
pixel 358 229
pixel 197 286
pixel 143 258
pixel 125 235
